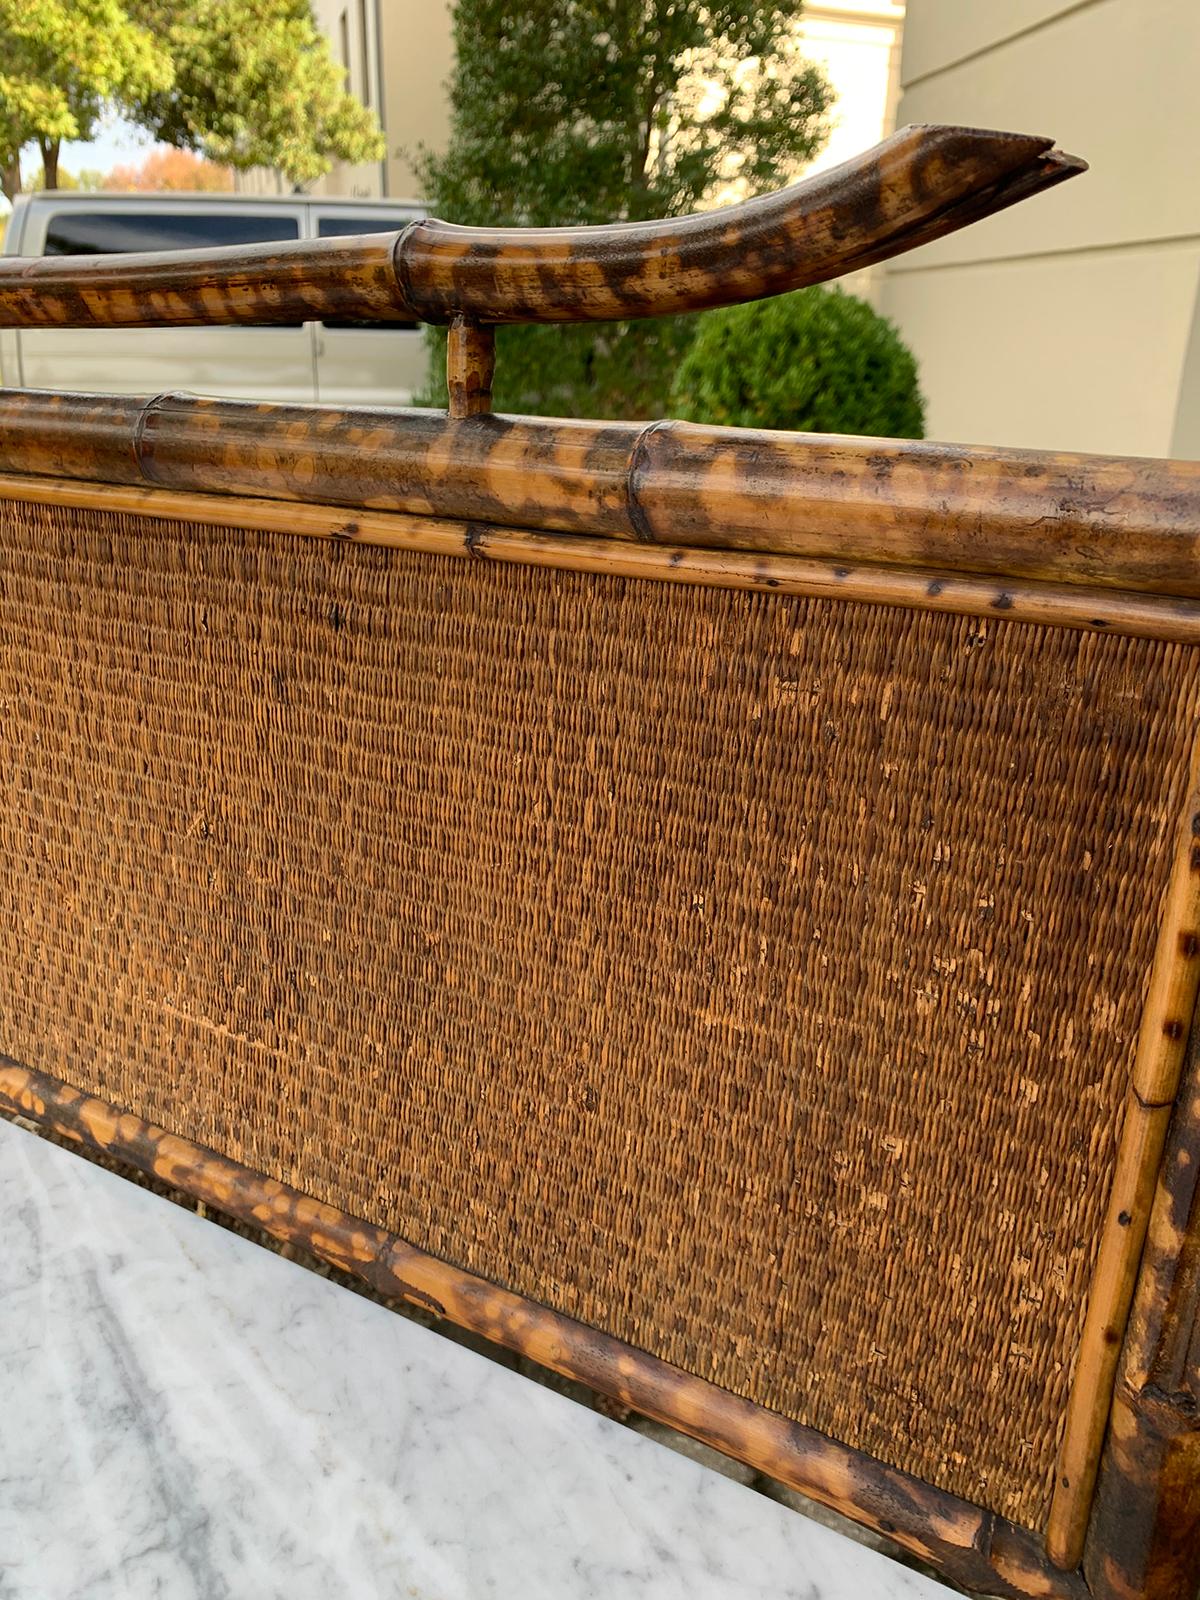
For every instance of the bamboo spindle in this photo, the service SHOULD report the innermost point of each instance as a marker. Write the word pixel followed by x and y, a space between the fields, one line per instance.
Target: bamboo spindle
pixel 470 364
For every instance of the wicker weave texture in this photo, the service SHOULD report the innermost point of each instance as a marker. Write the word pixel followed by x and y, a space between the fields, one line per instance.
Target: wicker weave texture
pixel 751 977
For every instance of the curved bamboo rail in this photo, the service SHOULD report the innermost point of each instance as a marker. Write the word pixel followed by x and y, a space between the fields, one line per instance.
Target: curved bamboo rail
pixel 918 185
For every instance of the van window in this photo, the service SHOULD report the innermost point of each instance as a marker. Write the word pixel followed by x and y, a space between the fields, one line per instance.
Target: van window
pixel 89 233
pixel 72 232
pixel 343 223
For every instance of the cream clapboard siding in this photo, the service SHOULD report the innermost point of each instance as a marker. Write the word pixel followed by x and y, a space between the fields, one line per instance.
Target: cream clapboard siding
pixel 857 45
pixel 417 46
pixel 398 56
pixel 1071 321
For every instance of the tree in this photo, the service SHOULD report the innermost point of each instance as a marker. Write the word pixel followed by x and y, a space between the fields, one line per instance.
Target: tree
pixel 166 168
pixel 86 179
pixel 61 63
pixel 575 111
pixel 254 85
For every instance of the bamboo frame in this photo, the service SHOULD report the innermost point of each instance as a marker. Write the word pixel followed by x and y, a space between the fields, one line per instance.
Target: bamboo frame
pixel 1089 610
pixel 1142 1542
pixel 1176 967
pixel 1161 1049
pixel 918 185
pixel 1088 543
pixel 1021 515
pixel 973 1547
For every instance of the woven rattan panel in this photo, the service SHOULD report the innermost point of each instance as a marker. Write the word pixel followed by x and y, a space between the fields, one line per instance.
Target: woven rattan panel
pixel 753 978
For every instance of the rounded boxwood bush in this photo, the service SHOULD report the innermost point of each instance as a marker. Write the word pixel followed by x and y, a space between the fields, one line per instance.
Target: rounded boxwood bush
pixel 818 360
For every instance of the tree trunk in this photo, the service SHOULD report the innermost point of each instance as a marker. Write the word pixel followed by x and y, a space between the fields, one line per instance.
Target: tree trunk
pixel 49 163
pixel 10 176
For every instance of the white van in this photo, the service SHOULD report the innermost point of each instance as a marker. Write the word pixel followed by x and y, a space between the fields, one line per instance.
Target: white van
pixel 334 363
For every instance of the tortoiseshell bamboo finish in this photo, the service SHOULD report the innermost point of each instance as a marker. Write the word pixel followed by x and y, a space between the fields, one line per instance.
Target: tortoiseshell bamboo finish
pixel 1114 522
pixel 470 365
pixel 1142 1542
pixel 309 279
pixel 974 1548
pixel 1139 616
pixel 917 186
pixel 1162 1042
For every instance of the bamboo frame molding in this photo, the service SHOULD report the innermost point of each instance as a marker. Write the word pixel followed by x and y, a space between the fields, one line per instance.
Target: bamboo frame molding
pixel 1091 610
pixel 1176 968
pixel 1142 1542
pixel 1154 1084
pixel 973 1547
pixel 1163 1030
pixel 918 185
pixel 1094 521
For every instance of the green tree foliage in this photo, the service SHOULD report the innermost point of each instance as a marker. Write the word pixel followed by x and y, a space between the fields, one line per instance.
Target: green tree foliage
pixel 254 84
pixel 61 63
pixel 244 82
pixel 575 111
pixel 818 360
pixel 87 178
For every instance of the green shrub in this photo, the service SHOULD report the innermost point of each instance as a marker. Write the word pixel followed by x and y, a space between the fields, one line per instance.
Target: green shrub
pixel 819 361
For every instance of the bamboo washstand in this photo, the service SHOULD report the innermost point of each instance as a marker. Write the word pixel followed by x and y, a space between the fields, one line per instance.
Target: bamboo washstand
pixel 732 938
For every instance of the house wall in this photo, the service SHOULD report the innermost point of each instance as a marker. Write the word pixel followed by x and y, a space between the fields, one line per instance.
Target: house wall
pixel 1069 322
pixel 399 56
pixel 857 42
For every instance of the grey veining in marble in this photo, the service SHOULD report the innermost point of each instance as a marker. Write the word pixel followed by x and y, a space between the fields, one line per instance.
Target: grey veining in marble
pixel 184 1416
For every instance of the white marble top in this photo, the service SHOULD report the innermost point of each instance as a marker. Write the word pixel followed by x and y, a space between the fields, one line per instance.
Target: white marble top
pixel 185 1416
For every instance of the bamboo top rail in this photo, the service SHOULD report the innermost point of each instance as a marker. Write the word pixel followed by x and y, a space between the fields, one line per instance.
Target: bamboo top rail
pixel 918 185
pixel 1121 523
